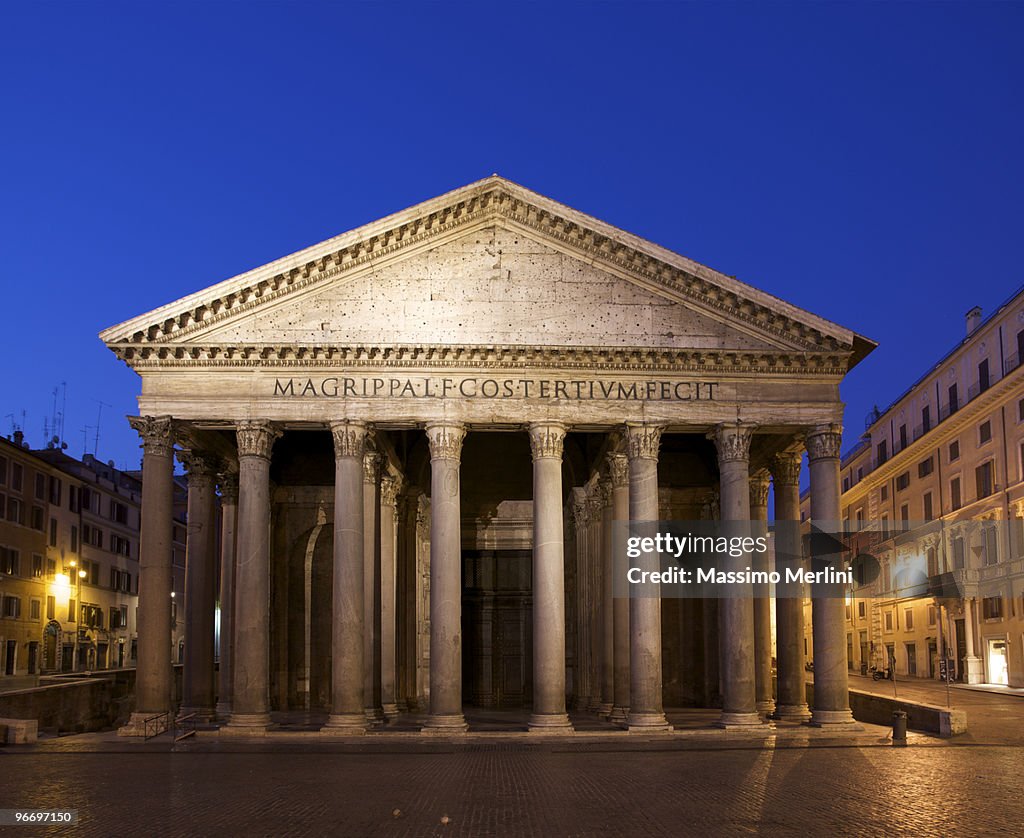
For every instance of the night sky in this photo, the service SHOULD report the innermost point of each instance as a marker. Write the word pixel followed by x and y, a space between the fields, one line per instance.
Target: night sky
pixel 862 161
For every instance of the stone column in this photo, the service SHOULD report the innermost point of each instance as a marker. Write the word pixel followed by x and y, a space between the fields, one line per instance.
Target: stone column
pixel 371 588
pixel 789 610
pixel 445 440
pixel 828 612
pixel 389 487
pixel 581 684
pixel 200 586
pixel 735 607
pixel 765 698
pixel 973 673
pixel 646 712
pixel 595 558
pixel 154 683
pixel 607 622
pixel 348 601
pixel 250 690
pixel 618 471
pixel 228 531
pixel 549 714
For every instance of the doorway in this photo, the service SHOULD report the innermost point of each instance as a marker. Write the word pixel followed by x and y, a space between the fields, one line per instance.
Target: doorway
pixel 997 663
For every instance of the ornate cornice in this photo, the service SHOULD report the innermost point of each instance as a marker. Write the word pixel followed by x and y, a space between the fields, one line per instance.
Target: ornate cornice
pixel 256 438
pixel 618 470
pixel 732 439
pixel 228 482
pixel 546 439
pixel 642 441
pixel 372 462
pixel 759 482
pixel 349 438
pixel 494 199
pixel 786 468
pixel 157 434
pixel 445 440
pixel 824 442
pixel 507 357
pixel 199 464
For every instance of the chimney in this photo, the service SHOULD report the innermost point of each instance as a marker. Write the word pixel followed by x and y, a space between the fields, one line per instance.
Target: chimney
pixel 973 320
pixel 19 438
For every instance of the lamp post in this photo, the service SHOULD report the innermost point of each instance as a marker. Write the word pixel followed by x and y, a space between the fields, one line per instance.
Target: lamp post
pixel 77 617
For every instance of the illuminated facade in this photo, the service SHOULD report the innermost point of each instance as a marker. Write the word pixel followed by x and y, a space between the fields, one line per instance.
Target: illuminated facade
pixel 422 431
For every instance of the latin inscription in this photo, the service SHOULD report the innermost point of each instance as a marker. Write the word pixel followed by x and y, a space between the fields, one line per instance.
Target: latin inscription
pixel 494 388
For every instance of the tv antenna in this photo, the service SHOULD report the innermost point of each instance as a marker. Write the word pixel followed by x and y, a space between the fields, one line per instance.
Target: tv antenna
pixel 99 415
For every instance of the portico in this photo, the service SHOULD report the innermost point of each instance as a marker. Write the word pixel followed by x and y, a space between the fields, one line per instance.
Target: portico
pixel 432 422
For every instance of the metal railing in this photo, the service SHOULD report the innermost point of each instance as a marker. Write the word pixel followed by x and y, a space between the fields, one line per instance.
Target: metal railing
pixel 155 725
pixel 185 727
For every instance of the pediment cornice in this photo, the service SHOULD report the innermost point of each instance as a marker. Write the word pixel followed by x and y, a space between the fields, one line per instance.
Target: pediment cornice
pixel 493 199
pixel 149 356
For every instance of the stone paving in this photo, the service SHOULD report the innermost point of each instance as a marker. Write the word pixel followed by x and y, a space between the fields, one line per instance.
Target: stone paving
pixel 499 782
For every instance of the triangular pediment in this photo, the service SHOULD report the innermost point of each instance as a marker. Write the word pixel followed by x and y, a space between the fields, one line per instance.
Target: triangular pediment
pixel 489 264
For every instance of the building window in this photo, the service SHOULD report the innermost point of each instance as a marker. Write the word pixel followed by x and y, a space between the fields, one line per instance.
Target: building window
pixel 926 467
pixel 903 481
pixel 15 511
pixel 882 452
pixel 932 615
pixel 954 450
pixel 884 526
pixel 888 620
pixel 983 479
pixel 992 608
pixel 849 613
pixel 989 545
pixel 860 473
pixel 53 532
pixel 846 484
pixel 905 517
pixel 1020 411
pixel 926 419
pixel 74 539
pixel 71 610
pixel 40 486
pixel 884 492
pixel 903 437
pixel 51 568
pixel 911 659
pixel 928 512
pixel 954 399
pixel 3 463
pixel 74 498
pixel 860 609
pixel 35 608
pixel 55 490
pixel 10 561
pixel 984 432
pixel 37 566
pixel 954 493
pixel 933 561
pixel 860 520
pixel 118 512
pixel 908 619
pixel 51 608
pixel 958 552
pixel 12 607
pixel 984 381
pixel 38 518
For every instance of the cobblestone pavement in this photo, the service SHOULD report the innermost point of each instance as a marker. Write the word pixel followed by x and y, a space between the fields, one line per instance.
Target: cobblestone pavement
pixel 513 789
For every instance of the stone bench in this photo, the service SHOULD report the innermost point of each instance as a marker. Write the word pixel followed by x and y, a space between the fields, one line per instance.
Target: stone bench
pixel 19 731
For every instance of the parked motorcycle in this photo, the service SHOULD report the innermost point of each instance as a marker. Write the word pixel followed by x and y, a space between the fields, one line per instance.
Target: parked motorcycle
pixel 881 674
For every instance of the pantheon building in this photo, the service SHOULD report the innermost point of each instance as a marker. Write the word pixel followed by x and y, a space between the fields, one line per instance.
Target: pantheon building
pixel 421 432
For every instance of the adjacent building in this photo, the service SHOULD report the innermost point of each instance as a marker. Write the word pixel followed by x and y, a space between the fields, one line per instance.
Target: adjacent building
pixel 933 499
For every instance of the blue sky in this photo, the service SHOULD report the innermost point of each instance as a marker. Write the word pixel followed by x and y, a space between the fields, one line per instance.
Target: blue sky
pixel 862 161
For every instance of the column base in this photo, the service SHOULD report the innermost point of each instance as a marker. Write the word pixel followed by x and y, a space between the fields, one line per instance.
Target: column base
pixel 766 707
pixel 447 723
pixel 792 713
pixel 605 710
pixel 834 720
pixel 619 715
pixel 344 724
pixel 593 703
pixel 390 710
pixel 973 671
pixel 550 723
pixel 223 710
pixel 730 720
pixel 136 724
pixel 246 724
pixel 374 716
pixel 647 723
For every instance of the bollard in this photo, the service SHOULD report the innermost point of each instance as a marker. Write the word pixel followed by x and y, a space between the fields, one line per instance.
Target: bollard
pixel 899 728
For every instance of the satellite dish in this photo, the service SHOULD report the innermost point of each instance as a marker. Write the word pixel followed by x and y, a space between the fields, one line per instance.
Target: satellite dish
pixel 63 446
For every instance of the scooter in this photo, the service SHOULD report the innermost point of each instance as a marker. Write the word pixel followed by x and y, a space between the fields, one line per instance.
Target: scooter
pixel 881 674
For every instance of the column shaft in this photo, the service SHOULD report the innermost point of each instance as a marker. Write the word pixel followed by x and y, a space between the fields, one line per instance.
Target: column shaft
pixel 831 675
pixel 736 608
pixel 607 622
pixel 646 712
pixel 789 609
pixel 388 569
pixel 595 629
pixel 445 580
pixel 348 596
pixel 250 692
pixel 549 714
pixel 762 597
pixel 228 531
pixel 618 468
pixel 154 674
pixel 200 587
pixel 371 588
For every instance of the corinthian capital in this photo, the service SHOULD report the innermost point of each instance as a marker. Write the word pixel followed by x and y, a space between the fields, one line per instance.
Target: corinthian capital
pixel 372 461
pixel 229 488
pixel 349 438
pixel 786 468
pixel 618 470
pixel 759 488
pixel 389 489
pixel 445 439
pixel 642 441
pixel 199 464
pixel 256 439
pixel 824 442
pixel 732 439
pixel 546 439
pixel 157 433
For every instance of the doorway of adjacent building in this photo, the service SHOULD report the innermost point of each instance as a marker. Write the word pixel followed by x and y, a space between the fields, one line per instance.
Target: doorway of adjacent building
pixel 12 652
pixel 997 664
